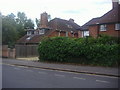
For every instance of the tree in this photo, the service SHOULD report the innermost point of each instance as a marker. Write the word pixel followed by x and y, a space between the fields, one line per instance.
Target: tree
pixel 9 33
pixel 37 22
pixel 21 18
pixel 23 23
pixel 29 24
pixel 13 27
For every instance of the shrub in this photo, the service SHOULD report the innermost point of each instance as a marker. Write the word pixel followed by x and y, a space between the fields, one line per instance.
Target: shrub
pixel 55 49
pixel 101 51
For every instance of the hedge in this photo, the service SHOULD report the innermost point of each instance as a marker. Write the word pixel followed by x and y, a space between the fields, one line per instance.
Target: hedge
pixel 101 51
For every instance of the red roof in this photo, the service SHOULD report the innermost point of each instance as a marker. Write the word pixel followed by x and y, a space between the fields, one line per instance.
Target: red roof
pixel 61 24
pixel 55 24
pixel 30 39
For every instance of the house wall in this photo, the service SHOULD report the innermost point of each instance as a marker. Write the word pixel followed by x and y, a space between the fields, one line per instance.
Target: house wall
pixel 63 34
pixel 79 34
pixel 76 35
pixel 53 34
pixel 111 31
pixel 94 31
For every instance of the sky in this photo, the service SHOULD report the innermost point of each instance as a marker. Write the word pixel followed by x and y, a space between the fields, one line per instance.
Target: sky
pixel 79 10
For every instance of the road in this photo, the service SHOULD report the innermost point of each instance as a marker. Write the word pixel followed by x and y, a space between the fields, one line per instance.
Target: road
pixel 28 77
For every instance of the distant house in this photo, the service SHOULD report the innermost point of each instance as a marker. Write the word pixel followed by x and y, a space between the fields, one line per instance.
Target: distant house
pixel 27 45
pixel 108 24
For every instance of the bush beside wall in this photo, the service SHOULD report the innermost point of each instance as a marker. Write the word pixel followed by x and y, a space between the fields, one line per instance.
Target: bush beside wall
pixel 101 51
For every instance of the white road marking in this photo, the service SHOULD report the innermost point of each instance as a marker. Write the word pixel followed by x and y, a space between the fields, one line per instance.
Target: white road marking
pixel 29 70
pixel 22 66
pixel 102 81
pixel 59 75
pixel 79 78
pixel 42 72
pixel 12 65
pixel 17 68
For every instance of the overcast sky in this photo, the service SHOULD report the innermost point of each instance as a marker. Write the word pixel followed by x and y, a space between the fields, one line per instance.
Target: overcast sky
pixel 80 10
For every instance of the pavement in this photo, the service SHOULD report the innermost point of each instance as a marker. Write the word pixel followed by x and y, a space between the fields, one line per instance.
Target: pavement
pixel 96 70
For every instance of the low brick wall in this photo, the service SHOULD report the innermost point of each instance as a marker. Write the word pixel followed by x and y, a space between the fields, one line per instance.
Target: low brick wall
pixel 7 52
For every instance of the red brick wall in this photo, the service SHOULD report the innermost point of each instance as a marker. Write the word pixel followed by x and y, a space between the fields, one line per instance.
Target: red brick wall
pixel 63 34
pixel 111 31
pixel 94 31
pixel 76 35
pixel 79 34
pixel 7 52
pixel 69 34
pixel 4 50
pixel 56 33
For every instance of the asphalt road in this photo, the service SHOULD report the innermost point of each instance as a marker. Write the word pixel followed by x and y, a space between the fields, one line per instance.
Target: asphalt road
pixel 26 77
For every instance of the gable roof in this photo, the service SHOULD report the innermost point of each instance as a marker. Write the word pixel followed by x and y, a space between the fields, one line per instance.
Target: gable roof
pixel 61 24
pixel 113 16
pixel 54 24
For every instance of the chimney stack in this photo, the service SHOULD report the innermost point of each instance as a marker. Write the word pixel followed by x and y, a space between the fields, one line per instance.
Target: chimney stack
pixel 71 20
pixel 115 3
pixel 44 20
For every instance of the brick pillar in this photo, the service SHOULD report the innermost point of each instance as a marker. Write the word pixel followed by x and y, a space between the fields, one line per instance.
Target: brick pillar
pixel 4 50
pixel 79 34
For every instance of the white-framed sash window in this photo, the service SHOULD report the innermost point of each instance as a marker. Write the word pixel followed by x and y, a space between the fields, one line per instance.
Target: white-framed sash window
pixel 103 27
pixel 42 31
pixel 117 26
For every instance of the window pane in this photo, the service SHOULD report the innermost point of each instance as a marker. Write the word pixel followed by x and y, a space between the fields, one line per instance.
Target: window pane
pixel 117 26
pixel 41 31
pixel 102 27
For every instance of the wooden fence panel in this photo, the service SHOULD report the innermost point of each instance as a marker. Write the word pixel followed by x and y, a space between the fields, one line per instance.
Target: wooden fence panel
pixel 26 50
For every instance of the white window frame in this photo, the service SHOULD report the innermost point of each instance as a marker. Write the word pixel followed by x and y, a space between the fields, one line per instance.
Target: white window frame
pixel 86 33
pixel 42 31
pixel 103 27
pixel 117 26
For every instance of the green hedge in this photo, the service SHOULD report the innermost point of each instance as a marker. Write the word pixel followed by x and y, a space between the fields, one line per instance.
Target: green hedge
pixel 101 51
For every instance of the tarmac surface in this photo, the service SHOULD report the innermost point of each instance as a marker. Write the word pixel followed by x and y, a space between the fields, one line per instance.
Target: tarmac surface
pixel 14 76
pixel 96 70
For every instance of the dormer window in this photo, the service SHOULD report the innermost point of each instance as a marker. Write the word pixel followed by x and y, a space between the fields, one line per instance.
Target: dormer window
pixel 117 26
pixel 41 31
pixel 28 32
pixel 69 26
pixel 103 27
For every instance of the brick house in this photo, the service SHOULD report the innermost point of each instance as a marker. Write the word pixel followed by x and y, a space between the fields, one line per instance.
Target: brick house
pixel 27 45
pixel 108 24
